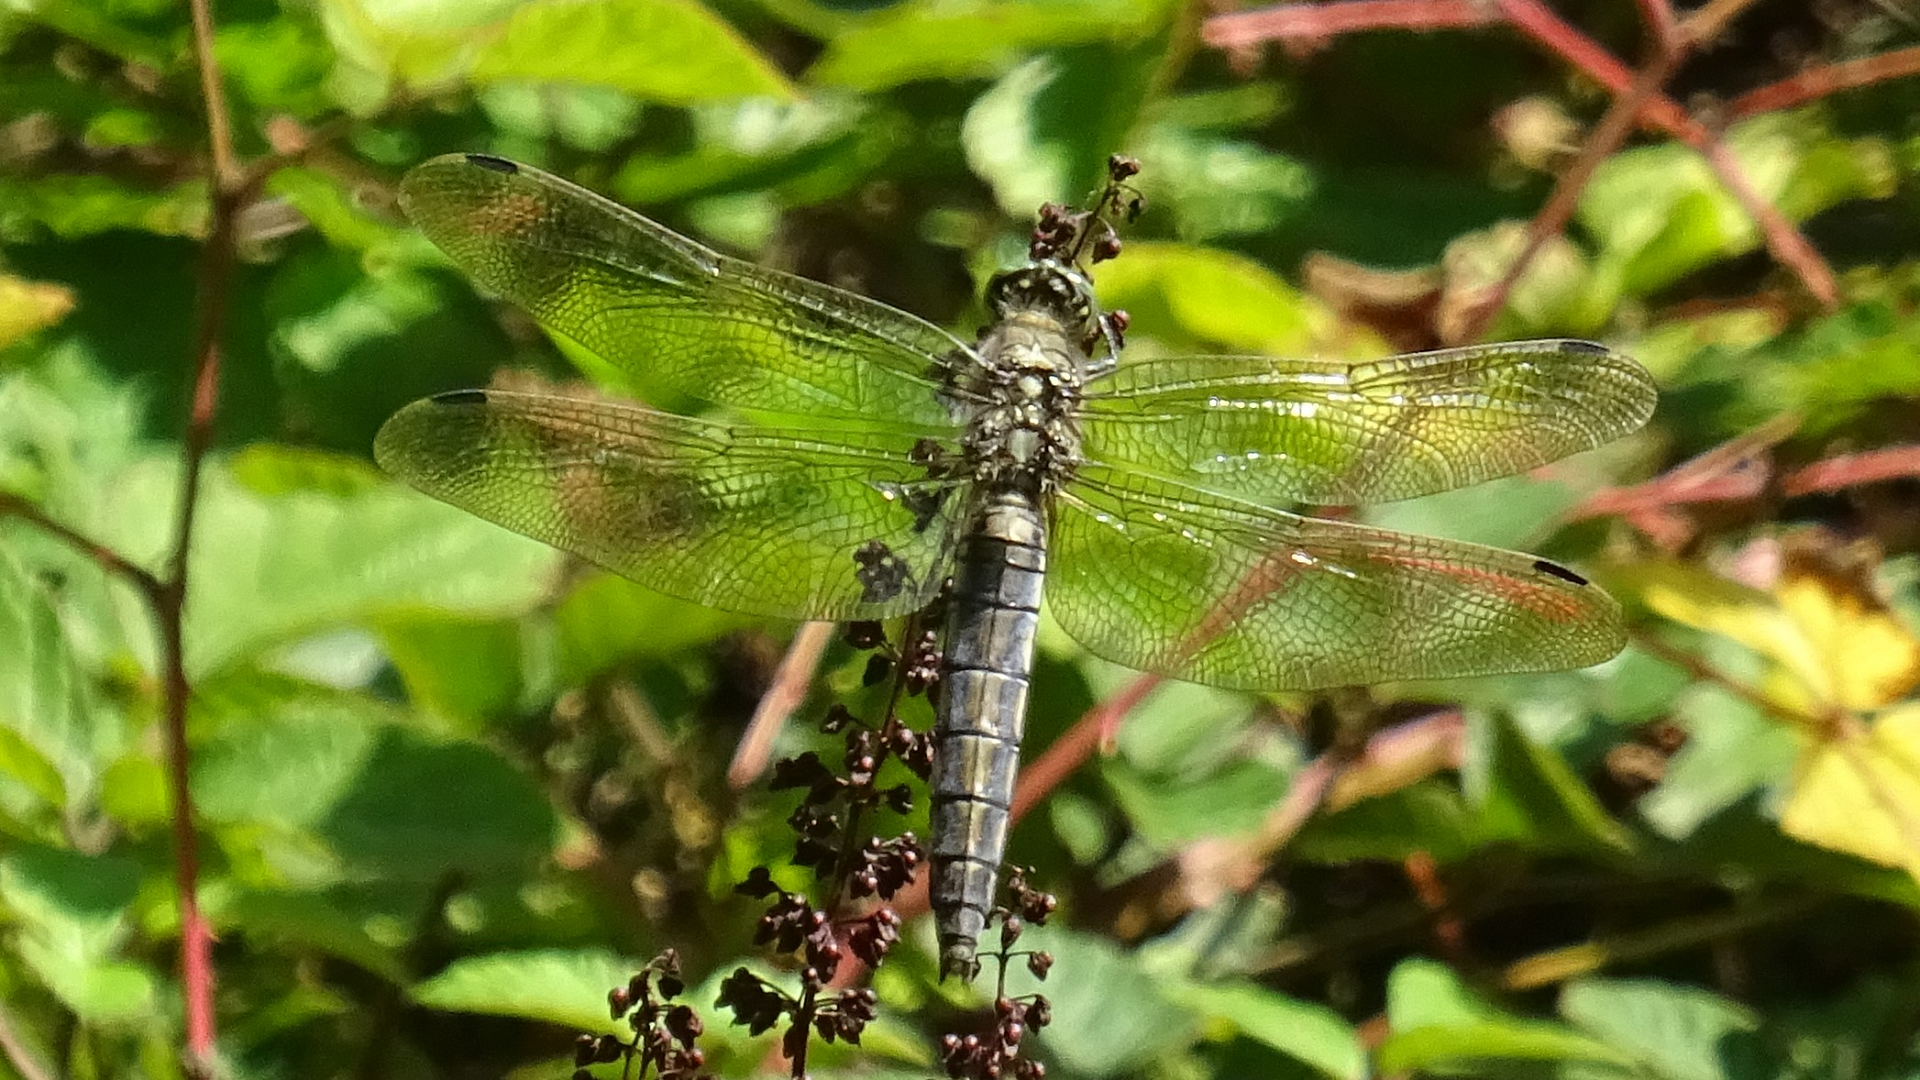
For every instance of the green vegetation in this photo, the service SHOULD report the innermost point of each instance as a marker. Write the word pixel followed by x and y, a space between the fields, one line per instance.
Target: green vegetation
pixel 449 788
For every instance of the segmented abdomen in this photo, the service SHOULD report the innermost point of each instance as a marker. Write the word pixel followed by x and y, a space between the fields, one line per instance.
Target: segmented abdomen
pixel 993 613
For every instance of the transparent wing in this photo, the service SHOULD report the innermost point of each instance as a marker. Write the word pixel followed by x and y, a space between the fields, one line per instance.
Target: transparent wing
pixel 747 519
pixel 1214 590
pixel 1329 433
pixel 652 302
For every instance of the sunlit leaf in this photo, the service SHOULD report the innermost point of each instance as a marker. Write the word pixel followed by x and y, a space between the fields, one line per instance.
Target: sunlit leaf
pixel 1302 1030
pixel 1188 294
pixel 924 40
pixel 1859 791
pixel 27 307
pixel 563 987
pixel 1438 1024
pixel 1677 1032
pixel 672 51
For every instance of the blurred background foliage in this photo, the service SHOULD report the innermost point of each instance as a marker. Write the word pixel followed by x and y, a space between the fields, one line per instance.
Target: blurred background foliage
pixel 452 787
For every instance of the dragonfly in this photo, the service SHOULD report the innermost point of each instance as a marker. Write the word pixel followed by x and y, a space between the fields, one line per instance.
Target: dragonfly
pixel 866 460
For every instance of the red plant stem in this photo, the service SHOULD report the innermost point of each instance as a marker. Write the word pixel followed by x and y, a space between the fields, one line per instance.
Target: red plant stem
pixel 1661 23
pixel 105 557
pixel 787 690
pixel 1816 83
pixel 1787 245
pixel 231 191
pixel 1846 470
pixel 1540 24
pixel 1071 750
pixel 1552 219
pixel 1318 21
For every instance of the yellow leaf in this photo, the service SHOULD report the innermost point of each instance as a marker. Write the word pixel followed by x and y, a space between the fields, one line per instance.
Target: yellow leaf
pixel 1841 646
pixel 1856 654
pixel 30 306
pixel 1860 792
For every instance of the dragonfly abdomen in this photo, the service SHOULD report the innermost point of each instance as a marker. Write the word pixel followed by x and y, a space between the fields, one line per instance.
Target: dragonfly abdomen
pixel 991 620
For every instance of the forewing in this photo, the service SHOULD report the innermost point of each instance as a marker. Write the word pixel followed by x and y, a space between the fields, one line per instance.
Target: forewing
pixel 1334 433
pixel 652 302
pixel 1214 590
pixel 748 519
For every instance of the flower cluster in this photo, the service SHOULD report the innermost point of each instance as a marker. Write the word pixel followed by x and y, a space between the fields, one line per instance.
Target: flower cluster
pixel 663 1032
pixel 996 1055
pixel 1065 232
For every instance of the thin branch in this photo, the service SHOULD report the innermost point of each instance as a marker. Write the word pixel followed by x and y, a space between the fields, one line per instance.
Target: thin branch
pixel 1559 37
pixel 1704 25
pixel 1559 965
pixel 1816 83
pixel 1619 121
pixel 1847 470
pixel 784 694
pixel 214 94
pixel 1316 22
pixel 1661 23
pixel 108 559
pixel 1783 239
pixel 1789 246
pixel 1702 671
pixel 231 191
pixel 18 1054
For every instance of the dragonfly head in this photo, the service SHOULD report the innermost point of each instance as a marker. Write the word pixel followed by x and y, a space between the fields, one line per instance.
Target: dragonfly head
pixel 1049 287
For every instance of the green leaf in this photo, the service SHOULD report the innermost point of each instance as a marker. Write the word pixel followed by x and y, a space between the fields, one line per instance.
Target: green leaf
pixel 671 51
pixel 1429 817
pixel 73 910
pixel 268 568
pixel 1438 1025
pixel 46 737
pixel 332 779
pixel 1302 1030
pixel 1188 296
pixel 607 620
pixel 1217 187
pixel 1525 792
pixel 567 988
pixel 1660 212
pixel 462 668
pixel 306 921
pixel 922 39
pixel 1677 1032
pixel 1732 751
pixel 1112 1015
pixel 1044 131
pixel 76 206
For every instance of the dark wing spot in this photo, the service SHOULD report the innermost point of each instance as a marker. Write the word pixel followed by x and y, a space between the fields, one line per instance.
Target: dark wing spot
pixel 882 574
pixel 460 397
pixel 1585 348
pixel 496 164
pixel 1561 572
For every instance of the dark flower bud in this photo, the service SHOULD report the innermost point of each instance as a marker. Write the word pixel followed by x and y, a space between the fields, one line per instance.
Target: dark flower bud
pixel 1121 167
pixel 684 1024
pixel 1107 247
pixel 618 1002
pixel 1011 928
pixel 878 668
pixel 1039 963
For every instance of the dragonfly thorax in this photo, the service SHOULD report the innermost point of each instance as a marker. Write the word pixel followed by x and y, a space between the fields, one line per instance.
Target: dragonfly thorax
pixel 1022 432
